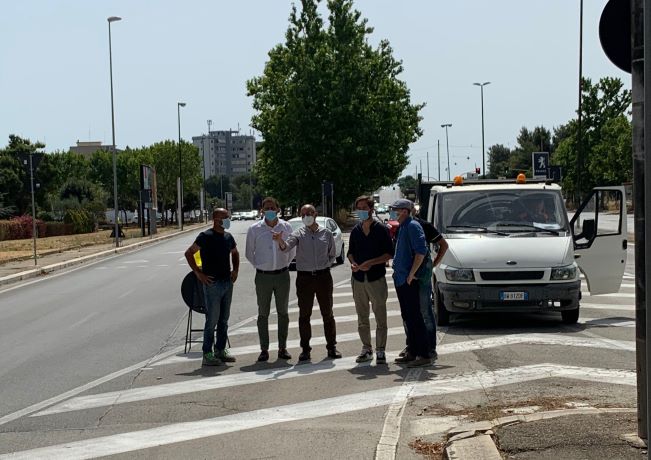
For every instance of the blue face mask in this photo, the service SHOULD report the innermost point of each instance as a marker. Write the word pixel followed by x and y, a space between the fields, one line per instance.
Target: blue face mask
pixel 270 215
pixel 363 215
pixel 393 215
pixel 226 223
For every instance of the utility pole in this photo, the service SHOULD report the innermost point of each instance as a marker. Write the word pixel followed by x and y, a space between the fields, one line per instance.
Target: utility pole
pixel 447 145
pixel 579 148
pixel 427 165
pixel 438 155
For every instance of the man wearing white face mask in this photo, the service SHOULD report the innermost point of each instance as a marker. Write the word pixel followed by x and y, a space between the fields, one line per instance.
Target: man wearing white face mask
pixel 272 275
pixel 217 249
pixel 315 253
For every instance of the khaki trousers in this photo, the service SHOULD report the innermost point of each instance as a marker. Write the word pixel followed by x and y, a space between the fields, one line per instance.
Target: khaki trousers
pixel 375 293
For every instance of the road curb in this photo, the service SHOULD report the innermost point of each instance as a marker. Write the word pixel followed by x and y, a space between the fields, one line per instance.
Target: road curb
pixel 475 440
pixel 47 269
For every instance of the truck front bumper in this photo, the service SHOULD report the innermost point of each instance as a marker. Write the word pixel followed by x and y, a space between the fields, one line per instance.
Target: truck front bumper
pixel 540 297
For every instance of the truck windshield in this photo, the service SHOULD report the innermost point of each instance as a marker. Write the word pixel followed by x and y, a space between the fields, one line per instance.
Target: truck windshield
pixel 501 211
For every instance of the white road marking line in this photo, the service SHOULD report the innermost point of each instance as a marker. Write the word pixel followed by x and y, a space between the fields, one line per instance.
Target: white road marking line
pixel 628 295
pixel 299 370
pixel 124 294
pixel 386 446
pixel 337 305
pixel 162 265
pixel 83 388
pixel 187 431
pixel 314 322
pixel 247 349
pixel 605 306
pixel 610 322
pixel 82 321
pixel 174 252
pixel 141 261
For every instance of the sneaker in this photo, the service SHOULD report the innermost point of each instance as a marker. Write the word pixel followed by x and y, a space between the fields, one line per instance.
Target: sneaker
pixel 407 358
pixel 264 356
pixel 403 352
pixel 364 355
pixel 304 356
pixel 380 358
pixel 334 354
pixel 225 356
pixel 420 362
pixel 434 355
pixel 209 359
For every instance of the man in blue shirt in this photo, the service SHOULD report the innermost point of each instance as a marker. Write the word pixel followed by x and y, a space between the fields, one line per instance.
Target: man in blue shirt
pixel 411 250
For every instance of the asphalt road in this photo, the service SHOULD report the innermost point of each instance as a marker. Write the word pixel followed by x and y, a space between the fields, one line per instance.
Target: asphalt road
pixel 84 325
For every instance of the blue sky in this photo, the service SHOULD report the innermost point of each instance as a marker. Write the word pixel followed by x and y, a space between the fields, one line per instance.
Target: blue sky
pixel 54 78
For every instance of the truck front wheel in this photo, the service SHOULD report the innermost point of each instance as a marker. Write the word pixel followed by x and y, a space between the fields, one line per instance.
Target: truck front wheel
pixel 570 316
pixel 442 314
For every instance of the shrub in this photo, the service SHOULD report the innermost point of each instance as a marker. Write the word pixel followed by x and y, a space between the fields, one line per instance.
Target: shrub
pixel 82 221
pixel 20 227
pixel 58 229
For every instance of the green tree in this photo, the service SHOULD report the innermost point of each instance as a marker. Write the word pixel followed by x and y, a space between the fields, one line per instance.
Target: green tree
pixel 605 142
pixel 331 107
pixel 538 140
pixel 14 176
pixel 406 183
pixel 499 157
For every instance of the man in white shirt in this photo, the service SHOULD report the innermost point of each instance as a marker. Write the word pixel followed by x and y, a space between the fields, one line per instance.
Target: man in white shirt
pixel 272 275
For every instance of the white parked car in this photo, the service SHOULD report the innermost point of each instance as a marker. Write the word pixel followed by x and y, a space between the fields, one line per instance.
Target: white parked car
pixel 328 223
pixel 513 249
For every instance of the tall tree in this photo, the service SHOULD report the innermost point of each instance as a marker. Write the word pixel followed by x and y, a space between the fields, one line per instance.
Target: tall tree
pixel 605 141
pixel 499 157
pixel 331 107
pixel 14 176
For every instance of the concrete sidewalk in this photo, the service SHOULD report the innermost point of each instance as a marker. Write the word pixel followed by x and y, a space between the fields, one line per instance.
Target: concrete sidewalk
pixel 579 433
pixel 15 271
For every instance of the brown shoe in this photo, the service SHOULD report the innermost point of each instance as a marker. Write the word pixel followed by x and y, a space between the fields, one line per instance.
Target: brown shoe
pixel 264 356
pixel 334 354
pixel 283 354
pixel 304 356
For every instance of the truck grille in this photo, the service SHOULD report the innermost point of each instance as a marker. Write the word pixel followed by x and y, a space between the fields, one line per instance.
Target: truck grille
pixel 512 276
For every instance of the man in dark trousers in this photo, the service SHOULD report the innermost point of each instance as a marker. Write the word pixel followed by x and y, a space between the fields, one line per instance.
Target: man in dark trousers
pixel 315 253
pixel 425 273
pixel 369 248
pixel 217 249
pixel 411 250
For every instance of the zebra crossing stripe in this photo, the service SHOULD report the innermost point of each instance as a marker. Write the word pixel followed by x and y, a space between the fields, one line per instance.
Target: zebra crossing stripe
pixel 314 322
pixel 606 306
pixel 188 431
pixel 300 370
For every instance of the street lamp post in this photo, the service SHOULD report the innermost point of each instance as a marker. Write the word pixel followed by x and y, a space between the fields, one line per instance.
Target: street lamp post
pixel 447 145
pixel 483 151
pixel 204 174
pixel 179 211
pixel 115 174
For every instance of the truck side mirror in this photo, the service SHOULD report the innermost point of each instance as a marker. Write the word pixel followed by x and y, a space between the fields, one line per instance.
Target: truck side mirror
pixel 589 229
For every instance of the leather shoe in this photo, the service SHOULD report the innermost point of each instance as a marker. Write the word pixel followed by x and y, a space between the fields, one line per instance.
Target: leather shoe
pixel 283 354
pixel 405 359
pixel 264 356
pixel 304 356
pixel 334 354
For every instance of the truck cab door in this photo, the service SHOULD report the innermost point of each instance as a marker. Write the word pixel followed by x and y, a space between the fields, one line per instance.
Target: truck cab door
pixel 600 239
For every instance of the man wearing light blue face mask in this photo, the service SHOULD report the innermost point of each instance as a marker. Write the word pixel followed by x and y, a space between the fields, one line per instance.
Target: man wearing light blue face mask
pixel 272 275
pixel 218 249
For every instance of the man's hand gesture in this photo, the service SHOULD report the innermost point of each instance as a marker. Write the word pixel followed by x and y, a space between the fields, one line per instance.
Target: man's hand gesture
pixel 204 279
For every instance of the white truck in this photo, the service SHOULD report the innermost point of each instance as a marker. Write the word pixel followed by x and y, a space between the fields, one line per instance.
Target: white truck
pixel 512 247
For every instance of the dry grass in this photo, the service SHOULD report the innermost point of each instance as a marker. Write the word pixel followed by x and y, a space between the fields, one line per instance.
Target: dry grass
pixel 495 409
pixel 430 450
pixel 21 249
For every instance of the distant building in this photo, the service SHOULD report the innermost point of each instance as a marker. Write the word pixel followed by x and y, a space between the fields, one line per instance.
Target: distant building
pixel 88 148
pixel 388 194
pixel 226 153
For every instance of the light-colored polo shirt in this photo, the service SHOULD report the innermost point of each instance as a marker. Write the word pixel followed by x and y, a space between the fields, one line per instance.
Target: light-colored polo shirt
pixel 262 251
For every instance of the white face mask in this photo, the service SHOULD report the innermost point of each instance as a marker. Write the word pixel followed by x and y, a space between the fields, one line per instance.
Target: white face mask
pixel 308 220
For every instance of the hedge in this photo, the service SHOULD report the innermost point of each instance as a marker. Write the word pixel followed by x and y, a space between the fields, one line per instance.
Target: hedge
pixel 21 227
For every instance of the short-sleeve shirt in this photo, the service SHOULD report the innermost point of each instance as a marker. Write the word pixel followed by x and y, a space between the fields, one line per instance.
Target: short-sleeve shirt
pixel 410 241
pixel 432 235
pixel 215 250
pixel 366 247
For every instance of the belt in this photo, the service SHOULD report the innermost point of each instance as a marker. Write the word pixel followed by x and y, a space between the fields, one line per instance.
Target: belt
pixel 314 272
pixel 271 272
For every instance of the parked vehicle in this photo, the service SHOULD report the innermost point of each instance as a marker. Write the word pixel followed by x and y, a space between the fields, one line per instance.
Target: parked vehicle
pixel 328 223
pixel 513 249
pixel 236 216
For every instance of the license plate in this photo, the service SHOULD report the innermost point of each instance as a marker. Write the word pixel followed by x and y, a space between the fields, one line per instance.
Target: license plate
pixel 514 295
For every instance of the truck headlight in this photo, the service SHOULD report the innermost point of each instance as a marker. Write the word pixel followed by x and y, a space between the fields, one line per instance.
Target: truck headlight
pixel 567 272
pixel 459 274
